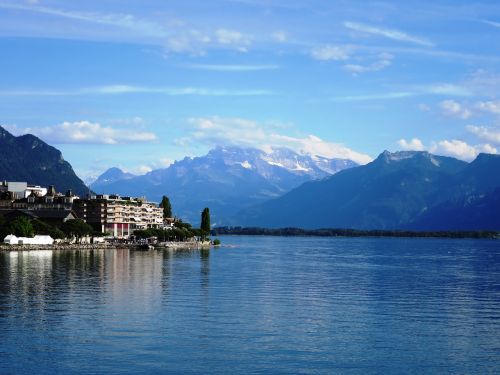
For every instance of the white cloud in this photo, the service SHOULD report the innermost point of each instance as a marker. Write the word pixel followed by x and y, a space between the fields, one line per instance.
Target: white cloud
pixel 431 89
pixel 247 133
pixel 424 107
pixel 491 23
pixel 460 149
pixel 175 35
pixel 483 83
pixel 234 38
pixel 125 21
pixel 196 43
pixel 189 41
pixel 330 52
pixel 280 36
pixel 455 148
pixel 231 68
pixel 384 60
pixel 414 144
pixel 445 89
pixel 141 169
pixel 454 109
pixel 484 133
pixel 369 97
pixel 129 89
pixel 489 106
pixel 388 33
pixel 86 132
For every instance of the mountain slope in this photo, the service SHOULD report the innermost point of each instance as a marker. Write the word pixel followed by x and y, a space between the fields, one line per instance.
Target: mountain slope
pixel 227 179
pixel 111 176
pixel 395 191
pixel 471 202
pixel 28 158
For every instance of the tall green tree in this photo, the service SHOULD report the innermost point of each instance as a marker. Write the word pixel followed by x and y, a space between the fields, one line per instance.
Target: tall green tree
pixel 205 222
pixel 21 227
pixel 167 207
pixel 76 228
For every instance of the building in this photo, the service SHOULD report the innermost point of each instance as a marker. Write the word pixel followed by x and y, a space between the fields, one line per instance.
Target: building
pixel 52 200
pixel 118 216
pixel 35 202
pixel 20 190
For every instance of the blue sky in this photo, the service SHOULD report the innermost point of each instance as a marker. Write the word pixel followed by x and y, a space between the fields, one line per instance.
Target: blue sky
pixel 139 84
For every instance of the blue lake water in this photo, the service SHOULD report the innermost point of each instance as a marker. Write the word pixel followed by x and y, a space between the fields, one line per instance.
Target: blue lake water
pixel 266 305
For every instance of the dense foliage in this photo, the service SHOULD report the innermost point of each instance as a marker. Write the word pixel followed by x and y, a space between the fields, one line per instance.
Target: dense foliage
pixel 76 228
pixel 349 233
pixel 43 228
pixel 205 222
pixel 182 233
pixel 21 227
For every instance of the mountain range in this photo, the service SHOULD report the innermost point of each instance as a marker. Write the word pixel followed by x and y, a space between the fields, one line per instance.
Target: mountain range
pixel 227 180
pixel 402 190
pixel 28 158
pixel 408 190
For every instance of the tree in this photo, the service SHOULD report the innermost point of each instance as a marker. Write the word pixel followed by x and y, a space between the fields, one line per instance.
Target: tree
pixel 167 207
pixel 205 222
pixel 76 228
pixel 41 227
pixel 21 227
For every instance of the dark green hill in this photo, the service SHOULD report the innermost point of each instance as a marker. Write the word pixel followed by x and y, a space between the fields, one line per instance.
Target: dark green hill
pixel 28 158
pixel 396 191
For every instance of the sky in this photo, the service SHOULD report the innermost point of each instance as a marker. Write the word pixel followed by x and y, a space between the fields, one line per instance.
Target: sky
pixel 139 84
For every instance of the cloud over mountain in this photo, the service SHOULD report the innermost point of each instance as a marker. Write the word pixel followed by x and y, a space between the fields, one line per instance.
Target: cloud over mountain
pixel 86 132
pixel 215 131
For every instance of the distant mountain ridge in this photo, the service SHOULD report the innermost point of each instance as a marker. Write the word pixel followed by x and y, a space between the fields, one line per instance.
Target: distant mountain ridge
pixel 28 158
pixel 402 190
pixel 112 175
pixel 227 179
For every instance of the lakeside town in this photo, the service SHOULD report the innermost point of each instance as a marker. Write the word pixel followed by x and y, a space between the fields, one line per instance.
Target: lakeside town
pixel 33 215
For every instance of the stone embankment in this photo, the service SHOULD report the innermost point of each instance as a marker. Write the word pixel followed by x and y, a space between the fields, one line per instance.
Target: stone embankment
pixel 5 247
pixel 103 246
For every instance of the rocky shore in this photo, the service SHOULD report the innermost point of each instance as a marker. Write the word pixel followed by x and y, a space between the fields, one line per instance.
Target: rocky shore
pixel 103 246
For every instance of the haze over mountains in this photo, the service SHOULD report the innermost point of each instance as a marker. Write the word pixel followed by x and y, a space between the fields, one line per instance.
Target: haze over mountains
pixel 28 158
pixel 401 190
pixel 227 180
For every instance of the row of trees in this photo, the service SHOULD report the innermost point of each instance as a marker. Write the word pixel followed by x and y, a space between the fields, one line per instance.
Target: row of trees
pixel 332 232
pixel 181 231
pixel 22 226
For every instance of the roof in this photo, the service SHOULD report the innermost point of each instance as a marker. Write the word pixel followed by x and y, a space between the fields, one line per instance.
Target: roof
pixel 41 214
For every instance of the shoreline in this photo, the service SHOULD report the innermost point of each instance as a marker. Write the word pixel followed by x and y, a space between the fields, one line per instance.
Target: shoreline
pixel 106 246
pixel 352 233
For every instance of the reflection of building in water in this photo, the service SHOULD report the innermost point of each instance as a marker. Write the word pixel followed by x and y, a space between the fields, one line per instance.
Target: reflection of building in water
pixel 135 277
pixel 30 275
pixel 43 279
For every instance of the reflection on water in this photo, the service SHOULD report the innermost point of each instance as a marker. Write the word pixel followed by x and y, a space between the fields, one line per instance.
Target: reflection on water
pixel 288 304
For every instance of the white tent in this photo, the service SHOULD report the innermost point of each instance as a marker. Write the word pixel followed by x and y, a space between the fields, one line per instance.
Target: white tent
pixel 11 240
pixel 37 240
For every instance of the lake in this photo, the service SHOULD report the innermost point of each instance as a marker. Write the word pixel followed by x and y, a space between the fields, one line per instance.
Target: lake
pixel 260 305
